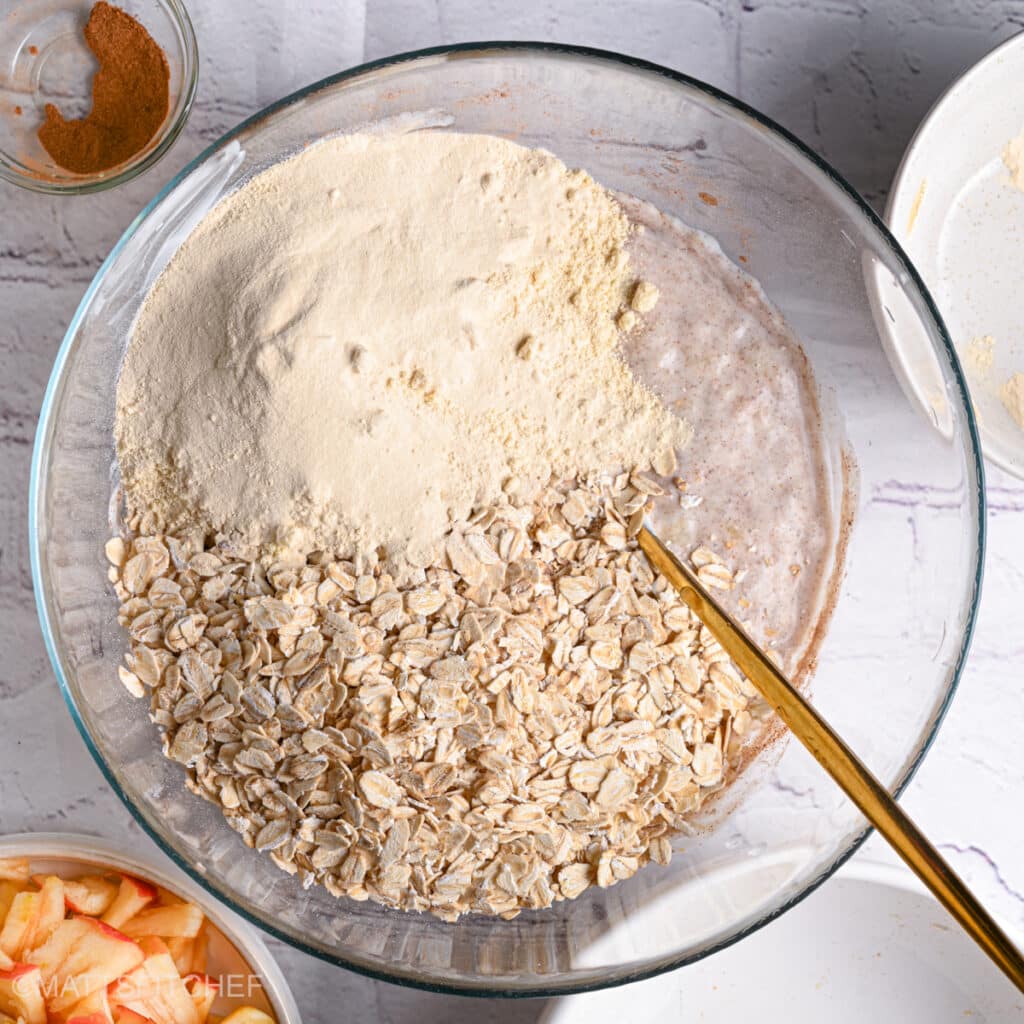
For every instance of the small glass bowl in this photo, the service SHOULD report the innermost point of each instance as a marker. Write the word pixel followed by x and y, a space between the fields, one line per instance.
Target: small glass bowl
pixel 238 957
pixel 44 59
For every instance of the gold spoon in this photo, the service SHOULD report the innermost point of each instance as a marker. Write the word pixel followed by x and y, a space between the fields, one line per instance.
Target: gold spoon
pixel 840 762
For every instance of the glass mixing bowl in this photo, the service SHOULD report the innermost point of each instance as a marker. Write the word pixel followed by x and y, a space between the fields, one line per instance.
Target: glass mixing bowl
pixel 903 615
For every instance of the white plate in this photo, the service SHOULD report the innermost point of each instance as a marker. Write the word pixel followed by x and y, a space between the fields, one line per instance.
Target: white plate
pixel 961 221
pixel 870 946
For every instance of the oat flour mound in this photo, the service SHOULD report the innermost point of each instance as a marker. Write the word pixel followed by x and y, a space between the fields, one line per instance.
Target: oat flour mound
pixel 369 340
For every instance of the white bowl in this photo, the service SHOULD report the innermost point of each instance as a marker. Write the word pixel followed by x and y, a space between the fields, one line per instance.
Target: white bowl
pixel 871 945
pixel 58 853
pixel 962 224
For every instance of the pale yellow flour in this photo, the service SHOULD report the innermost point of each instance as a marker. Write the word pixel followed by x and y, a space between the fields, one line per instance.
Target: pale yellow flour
pixel 980 354
pixel 371 339
pixel 1012 396
pixel 1013 160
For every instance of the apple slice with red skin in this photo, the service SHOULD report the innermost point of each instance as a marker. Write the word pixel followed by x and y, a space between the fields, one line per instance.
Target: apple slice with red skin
pixel 123 1015
pixel 131 897
pixel 14 869
pixel 156 990
pixel 181 920
pixel 93 1009
pixel 204 990
pixel 32 918
pixel 90 895
pixel 21 994
pixel 51 954
pixel 83 955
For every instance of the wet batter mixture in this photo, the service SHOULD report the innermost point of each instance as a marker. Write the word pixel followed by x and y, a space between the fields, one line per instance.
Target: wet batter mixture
pixel 755 477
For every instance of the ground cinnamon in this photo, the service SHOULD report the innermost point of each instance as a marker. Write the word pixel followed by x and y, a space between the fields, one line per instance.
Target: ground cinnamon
pixel 129 97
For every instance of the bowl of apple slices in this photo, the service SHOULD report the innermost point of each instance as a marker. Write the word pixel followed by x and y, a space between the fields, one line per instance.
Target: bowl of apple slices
pixel 90 936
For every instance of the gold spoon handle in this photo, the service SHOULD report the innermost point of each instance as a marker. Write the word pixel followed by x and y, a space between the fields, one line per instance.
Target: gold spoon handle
pixel 841 763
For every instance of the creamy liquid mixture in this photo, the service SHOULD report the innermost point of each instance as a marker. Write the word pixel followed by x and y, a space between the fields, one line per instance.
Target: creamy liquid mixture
pixel 755 474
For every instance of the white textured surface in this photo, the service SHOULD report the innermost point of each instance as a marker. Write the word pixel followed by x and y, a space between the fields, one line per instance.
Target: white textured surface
pixel 852 79
pixel 894 942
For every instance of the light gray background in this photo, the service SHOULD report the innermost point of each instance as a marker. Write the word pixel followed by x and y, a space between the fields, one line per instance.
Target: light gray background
pixel 852 79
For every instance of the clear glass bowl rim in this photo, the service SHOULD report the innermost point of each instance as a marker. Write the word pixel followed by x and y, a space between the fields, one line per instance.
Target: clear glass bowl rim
pixel 484 49
pixel 190 57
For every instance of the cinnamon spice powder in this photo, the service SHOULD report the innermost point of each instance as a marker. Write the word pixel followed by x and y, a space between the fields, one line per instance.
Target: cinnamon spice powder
pixel 130 94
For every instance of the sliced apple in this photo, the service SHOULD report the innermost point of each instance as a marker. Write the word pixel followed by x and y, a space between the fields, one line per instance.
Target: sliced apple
pixel 83 955
pixel 155 990
pixel 182 952
pixel 200 948
pixel 204 990
pixel 51 954
pixel 153 945
pixel 32 918
pixel 18 923
pixel 181 920
pixel 166 898
pixel 50 912
pixel 123 1015
pixel 93 1009
pixel 6 963
pixel 90 895
pixel 8 890
pixel 21 994
pixel 132 895
pixel 56 949
pixel 248 1015
pixel 14 869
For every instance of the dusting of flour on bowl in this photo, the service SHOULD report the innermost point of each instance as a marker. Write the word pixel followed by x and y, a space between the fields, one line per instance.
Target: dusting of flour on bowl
pixel 367 341
pixel 1012 396
pixel 1013 160
pixel 979 355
